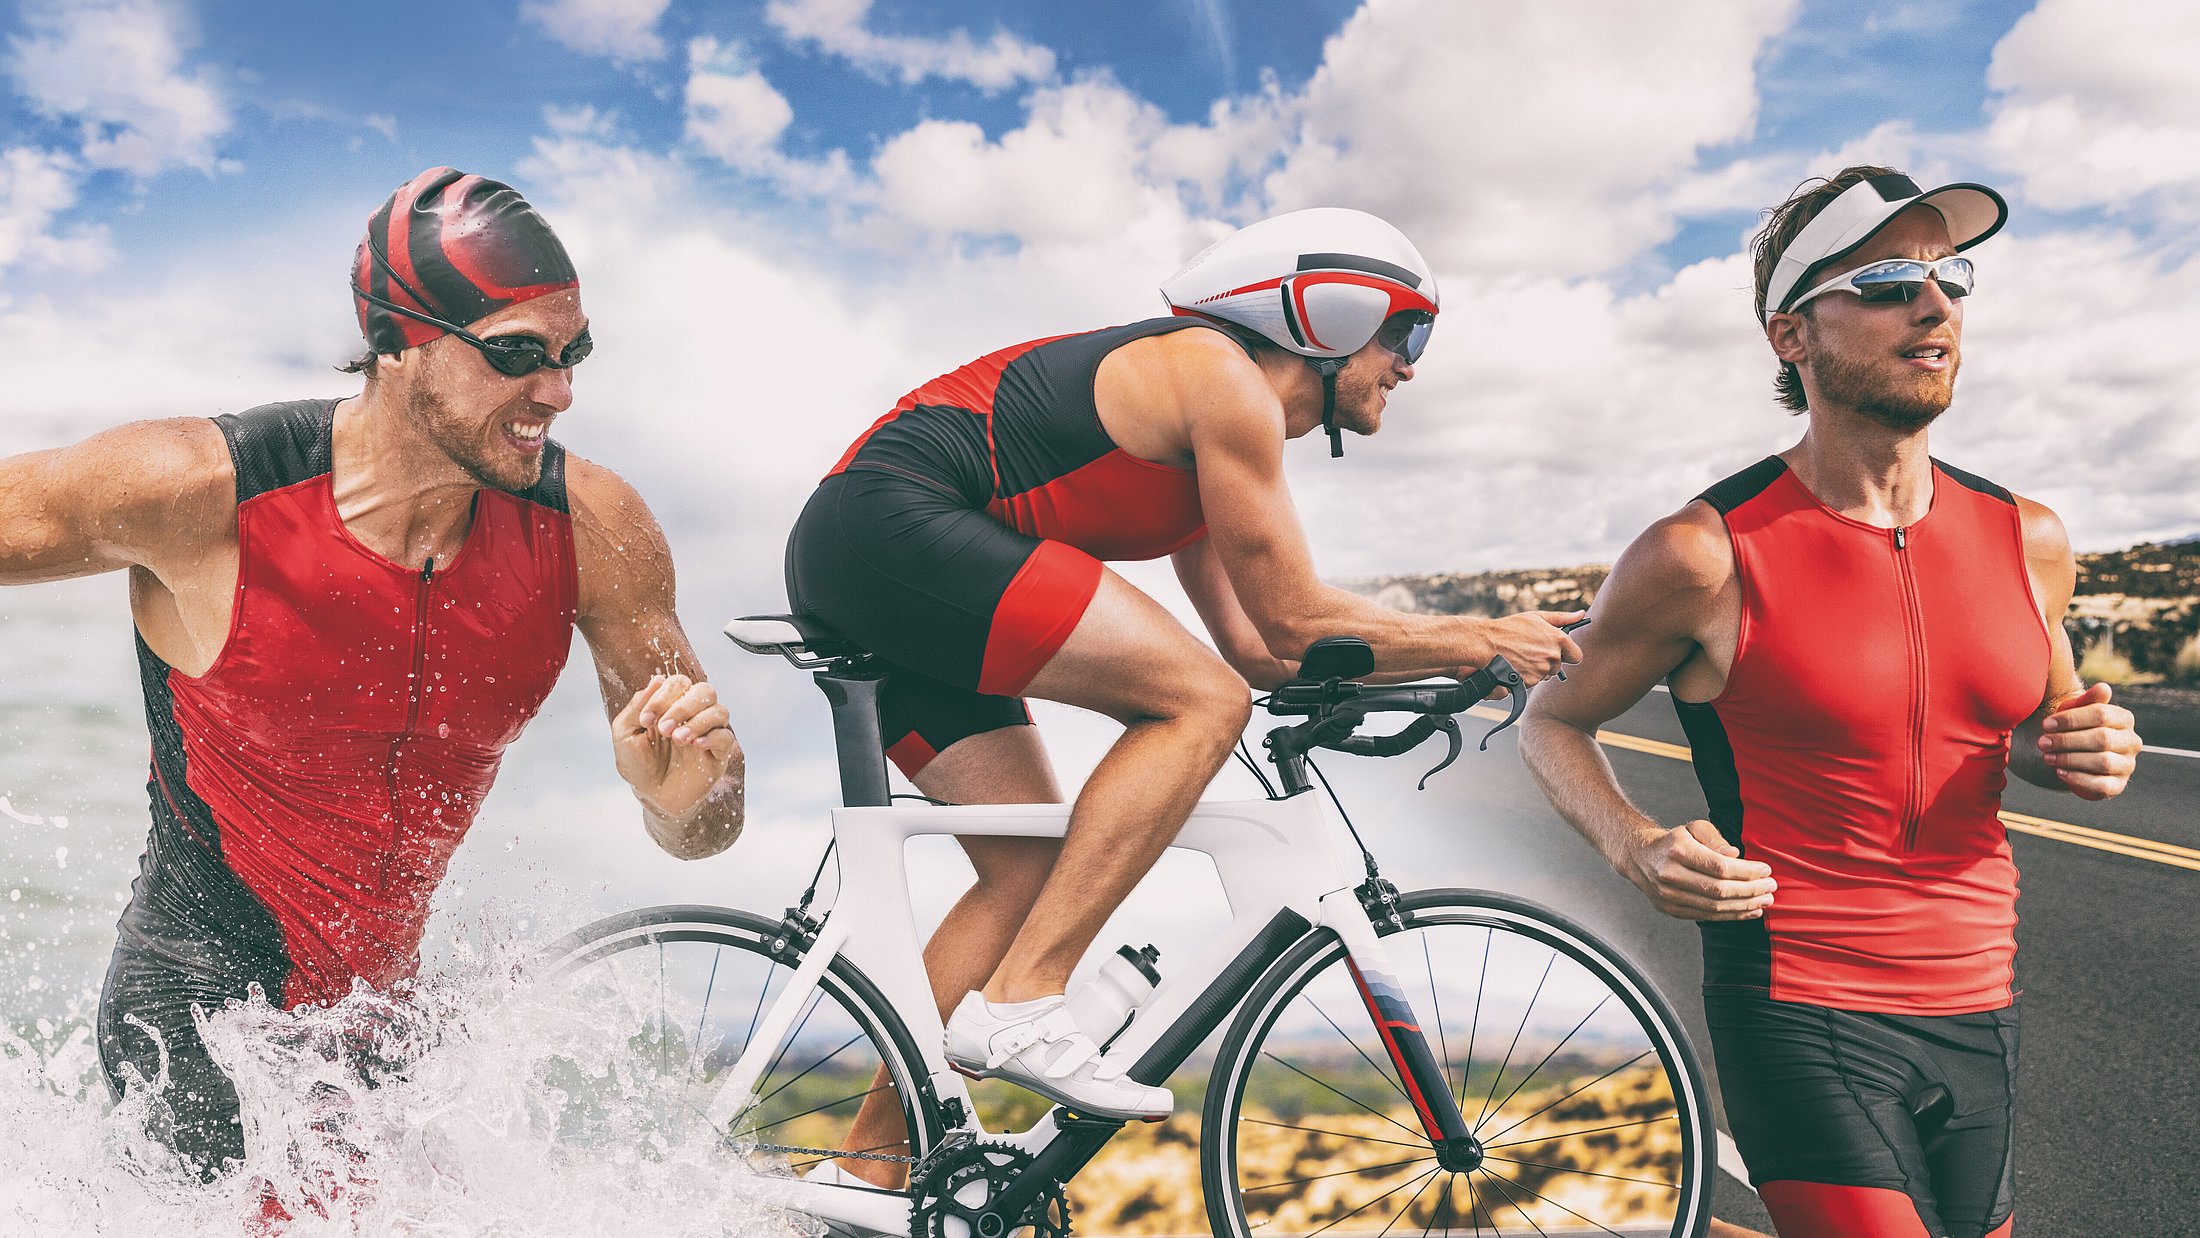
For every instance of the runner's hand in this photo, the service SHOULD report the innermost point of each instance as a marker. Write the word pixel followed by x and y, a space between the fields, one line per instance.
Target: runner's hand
pixel 1533 644
pixel 1691 872
pixel 673 743
pixel 2091 745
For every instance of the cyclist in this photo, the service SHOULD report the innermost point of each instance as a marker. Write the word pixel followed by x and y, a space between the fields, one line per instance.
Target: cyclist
pixel 962 539
pixel 1861 642
pixel 345 611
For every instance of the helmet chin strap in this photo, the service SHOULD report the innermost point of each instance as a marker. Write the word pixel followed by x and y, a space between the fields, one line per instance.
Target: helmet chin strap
pixel 1327 367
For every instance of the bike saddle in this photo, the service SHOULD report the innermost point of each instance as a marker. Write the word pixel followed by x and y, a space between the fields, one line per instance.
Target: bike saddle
pixel 786 635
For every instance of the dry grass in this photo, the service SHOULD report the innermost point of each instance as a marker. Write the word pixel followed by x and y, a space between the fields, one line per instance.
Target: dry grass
pixel 2185 668
pixel 2103 664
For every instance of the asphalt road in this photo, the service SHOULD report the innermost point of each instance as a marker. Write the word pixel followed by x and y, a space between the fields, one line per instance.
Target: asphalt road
pixel 2109 1109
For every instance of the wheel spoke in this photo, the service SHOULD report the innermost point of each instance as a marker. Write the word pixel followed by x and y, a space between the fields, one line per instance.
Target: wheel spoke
pixel 1501 1180
pixel 819 1109
pixel 1341 1173
pixel 710 987
pixel 1378 1199
pixel 813 1066
pixel 1316 1130
pixel 1526 1016
pixel 1588 1173
pixel 1576 1092
pixel 1554 1051
pixel 1402 1213
pixel 1421 1135
pixel 1347 1038
pixel 1489 934
pixel 1552 1202
pixel 1594 1130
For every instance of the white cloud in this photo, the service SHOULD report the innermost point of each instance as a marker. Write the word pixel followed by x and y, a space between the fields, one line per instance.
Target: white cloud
pixel 733 114
pixel 624 30
pixel 115 67
pixel 839 28
pixel 36 188
pixel 1523 138
pixel 2100 113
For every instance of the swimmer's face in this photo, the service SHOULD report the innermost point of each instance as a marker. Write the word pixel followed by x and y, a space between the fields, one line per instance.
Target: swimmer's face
pixel 494 425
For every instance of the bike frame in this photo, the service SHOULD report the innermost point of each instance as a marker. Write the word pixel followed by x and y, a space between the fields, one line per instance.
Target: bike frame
pixel 1285 872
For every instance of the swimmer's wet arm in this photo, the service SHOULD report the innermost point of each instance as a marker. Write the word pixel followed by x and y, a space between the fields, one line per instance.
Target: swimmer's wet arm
pixel 147 494
pixel 671 738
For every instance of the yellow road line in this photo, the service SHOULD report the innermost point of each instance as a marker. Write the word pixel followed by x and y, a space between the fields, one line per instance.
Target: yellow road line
pixel 2039 827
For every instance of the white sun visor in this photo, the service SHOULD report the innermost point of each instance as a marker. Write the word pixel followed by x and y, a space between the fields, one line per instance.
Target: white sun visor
pixel 1973 212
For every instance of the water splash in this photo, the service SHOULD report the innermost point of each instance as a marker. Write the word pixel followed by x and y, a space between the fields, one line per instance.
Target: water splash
pixel 431 1114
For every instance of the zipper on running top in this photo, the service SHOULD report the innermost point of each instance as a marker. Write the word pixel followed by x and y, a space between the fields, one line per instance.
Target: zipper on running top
pixel 414 688
pixel 1913 630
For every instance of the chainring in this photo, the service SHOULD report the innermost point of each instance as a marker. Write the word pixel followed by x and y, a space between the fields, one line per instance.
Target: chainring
pixel 948 1195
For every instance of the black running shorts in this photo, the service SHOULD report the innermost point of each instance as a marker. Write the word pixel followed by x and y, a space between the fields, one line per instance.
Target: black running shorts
pixel 1855 1123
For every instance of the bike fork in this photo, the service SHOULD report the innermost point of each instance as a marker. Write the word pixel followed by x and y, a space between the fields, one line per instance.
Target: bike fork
pixel 1456 1148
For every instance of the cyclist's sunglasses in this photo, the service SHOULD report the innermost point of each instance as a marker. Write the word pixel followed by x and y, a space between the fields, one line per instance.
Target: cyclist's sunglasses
pixel 1897 280
pixel 1405 334
pixel 515 356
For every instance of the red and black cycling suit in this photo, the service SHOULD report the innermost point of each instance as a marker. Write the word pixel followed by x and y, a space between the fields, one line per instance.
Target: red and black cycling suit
pixel 308 789
pixel 960 539
pixel 1865 1028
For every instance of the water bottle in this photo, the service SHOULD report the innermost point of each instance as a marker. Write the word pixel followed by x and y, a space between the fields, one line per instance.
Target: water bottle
pixel 1103 1005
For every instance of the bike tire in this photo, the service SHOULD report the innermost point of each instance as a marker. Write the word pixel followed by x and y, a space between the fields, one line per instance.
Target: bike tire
pixel 731 962
pixel 1635 1154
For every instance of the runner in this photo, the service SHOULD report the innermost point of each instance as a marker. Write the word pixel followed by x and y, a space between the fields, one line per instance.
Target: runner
pixel 346 610
pixel 1852 632
pixel 962 539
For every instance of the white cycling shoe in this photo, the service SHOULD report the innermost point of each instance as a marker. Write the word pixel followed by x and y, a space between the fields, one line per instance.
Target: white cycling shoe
pixel 1037 1045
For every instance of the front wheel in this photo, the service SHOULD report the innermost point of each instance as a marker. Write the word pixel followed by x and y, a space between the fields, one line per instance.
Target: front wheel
pixel 1584 1097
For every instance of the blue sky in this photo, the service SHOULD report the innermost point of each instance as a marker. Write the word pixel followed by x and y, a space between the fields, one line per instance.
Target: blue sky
pixel 865 192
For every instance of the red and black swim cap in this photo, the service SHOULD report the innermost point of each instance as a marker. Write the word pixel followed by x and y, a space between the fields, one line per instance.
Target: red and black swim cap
pixel 455 248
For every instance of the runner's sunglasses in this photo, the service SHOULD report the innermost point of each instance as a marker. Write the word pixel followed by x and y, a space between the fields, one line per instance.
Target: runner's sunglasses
pixel 1897 280
pixel 1405 334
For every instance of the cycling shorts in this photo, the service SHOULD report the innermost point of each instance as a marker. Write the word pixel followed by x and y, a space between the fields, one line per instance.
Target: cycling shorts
pixel 1870 1125
pixel 963 609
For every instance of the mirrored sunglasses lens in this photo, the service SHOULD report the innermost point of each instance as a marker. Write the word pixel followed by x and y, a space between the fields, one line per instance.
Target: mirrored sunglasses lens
pixel 1956 277
pixel 1417 340
pixel 1889 292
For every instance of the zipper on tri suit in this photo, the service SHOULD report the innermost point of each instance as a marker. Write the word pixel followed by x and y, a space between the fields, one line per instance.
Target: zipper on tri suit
pixel 413 691
pixel 1913 629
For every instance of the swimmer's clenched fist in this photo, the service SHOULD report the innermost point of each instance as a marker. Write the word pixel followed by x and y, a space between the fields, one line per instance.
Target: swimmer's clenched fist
pixel 673 742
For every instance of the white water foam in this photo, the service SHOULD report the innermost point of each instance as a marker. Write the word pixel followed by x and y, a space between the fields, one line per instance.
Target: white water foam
pixel 424 1116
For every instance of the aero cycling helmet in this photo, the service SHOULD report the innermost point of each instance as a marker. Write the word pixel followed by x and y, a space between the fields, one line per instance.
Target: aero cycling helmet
pixel 1319 283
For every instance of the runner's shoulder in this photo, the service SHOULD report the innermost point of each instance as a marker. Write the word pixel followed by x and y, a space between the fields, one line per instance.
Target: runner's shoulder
pixel 1684 554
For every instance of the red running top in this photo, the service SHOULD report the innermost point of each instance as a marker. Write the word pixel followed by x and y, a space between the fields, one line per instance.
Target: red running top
pixel 309 789
pixel 1861 744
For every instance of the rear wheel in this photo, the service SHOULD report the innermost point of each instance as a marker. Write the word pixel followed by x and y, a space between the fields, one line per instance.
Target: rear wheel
pixel 679 993
pixel 1570 1069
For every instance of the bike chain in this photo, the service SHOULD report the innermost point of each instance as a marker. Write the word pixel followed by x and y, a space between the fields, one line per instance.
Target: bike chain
pixel 834 1153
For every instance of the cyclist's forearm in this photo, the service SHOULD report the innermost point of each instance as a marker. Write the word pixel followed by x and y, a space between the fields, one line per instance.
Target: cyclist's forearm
pixel 1401 642
pixel 1571 768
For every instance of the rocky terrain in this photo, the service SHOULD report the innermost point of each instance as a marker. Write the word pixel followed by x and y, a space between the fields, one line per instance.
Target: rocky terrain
pixel 2142 603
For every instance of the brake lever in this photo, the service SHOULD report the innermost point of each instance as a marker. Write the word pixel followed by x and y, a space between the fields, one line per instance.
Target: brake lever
pixel 1516 695
pixel 1450 728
